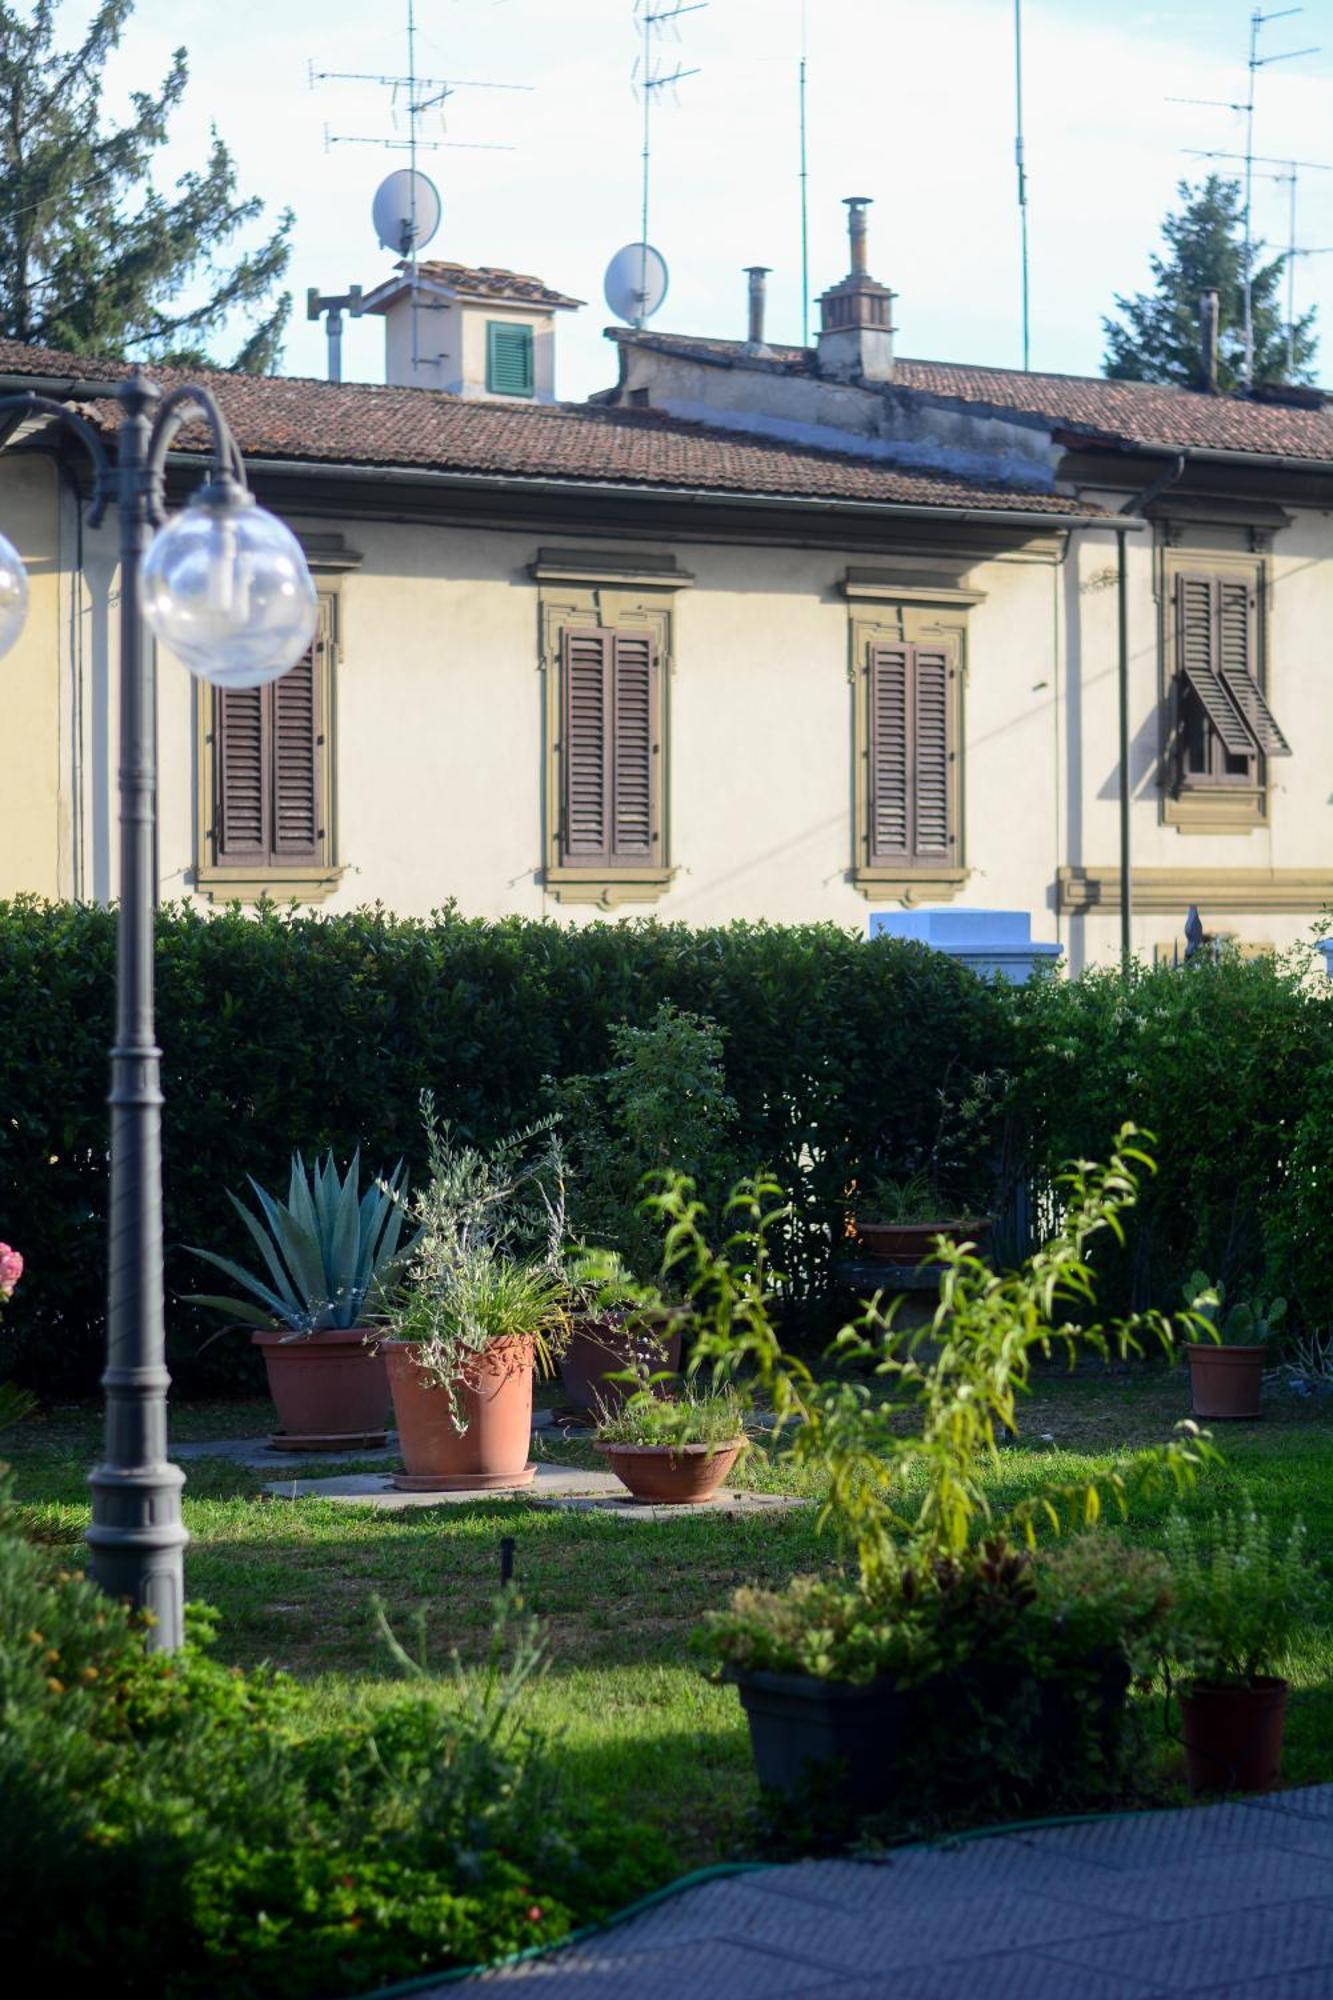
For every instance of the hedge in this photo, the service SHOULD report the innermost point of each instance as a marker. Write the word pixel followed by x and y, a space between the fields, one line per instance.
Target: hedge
pixel 283 1031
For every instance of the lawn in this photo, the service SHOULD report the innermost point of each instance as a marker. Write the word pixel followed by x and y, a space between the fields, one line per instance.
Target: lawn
pixel 637 1724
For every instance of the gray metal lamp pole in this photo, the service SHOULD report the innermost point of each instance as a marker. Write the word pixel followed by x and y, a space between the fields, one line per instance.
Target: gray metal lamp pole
pixel 233 597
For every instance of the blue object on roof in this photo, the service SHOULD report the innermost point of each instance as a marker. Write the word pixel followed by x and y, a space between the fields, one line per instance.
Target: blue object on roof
pixel 989 941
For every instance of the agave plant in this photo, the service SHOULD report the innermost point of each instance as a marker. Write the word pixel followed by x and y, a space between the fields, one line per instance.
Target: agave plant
pixel 325 1250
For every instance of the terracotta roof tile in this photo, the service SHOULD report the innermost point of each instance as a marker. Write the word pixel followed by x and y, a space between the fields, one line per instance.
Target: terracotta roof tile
pixel 488 281
pixel 365 424
pixel 1135 412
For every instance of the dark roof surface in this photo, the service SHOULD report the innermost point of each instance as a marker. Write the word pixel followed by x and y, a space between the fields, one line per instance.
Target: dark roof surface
pixel 1132 412
pixel 365 424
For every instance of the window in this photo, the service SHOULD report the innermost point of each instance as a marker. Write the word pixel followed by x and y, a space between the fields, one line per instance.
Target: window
pixel 910 818
pixel 509 369
pixel 609 750
pixel 1224 727
pixel 266 781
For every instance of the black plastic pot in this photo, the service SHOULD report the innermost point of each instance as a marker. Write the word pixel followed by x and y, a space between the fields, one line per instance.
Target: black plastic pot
pixel 800 1726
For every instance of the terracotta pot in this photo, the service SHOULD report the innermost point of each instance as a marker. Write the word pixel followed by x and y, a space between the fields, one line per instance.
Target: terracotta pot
pixel 913 1242
pixel 602 1343
pixel 494 1397
pixel 672 1475
pixel 1233 1735
pixel 330 1389
pixel 1225 1382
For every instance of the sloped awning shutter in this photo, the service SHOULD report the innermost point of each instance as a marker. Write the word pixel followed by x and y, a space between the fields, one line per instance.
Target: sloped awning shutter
pixel 1216 645
pixel 910 756
pixel 1238 663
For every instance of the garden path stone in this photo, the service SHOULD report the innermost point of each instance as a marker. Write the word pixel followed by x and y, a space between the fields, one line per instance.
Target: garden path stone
pixel 374 1489
pixel 256 1454
pixel 1230 1901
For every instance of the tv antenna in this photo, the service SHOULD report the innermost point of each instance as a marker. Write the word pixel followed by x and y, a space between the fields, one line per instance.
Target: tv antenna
pixel 1021 165
pixel 804 178
pixel 1258 21
pixel 412 98
pixel 654 19
pixel 1285 173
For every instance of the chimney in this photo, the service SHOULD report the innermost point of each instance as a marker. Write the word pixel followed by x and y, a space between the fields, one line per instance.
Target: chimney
pixel 856 316
pixel 758 294
pixel 1208 314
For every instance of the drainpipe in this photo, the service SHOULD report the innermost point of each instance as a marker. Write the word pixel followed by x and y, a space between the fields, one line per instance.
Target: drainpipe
pixel 1134 506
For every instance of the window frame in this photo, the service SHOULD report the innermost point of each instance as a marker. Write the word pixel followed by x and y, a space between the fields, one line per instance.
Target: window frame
pixel 496 329
pixel 932 618
pixel 305 881
pixel 620 592
pixel 1214 800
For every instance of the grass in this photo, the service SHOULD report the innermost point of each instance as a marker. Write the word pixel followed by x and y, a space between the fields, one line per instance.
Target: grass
pixel 636 1721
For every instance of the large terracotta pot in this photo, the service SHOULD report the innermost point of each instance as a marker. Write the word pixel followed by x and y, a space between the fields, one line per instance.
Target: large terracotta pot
pixel 913 1242
pixel 493 1396
pixel 1225 1382
pixel 1233 1736
pixel 601 1344
pixel 330 1390
pixel 672 1475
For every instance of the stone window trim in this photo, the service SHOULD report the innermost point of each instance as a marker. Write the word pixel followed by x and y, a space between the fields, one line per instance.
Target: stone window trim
pixel 622 591
pixel 308 881
pixel 926 607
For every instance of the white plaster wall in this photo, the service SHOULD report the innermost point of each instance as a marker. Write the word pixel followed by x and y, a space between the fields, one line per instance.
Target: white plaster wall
pixel 34 805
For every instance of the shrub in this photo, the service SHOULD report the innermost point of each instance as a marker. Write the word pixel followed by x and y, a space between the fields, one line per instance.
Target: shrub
pixel 1243 1592
pixel 177 1828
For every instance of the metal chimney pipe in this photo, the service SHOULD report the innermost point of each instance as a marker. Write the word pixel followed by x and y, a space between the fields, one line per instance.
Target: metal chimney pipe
pixel 758 294
pixel 1208 318
pixel 856 205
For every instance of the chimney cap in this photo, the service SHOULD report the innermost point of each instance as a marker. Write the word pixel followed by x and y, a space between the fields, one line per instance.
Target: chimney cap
pixel 858 200
pixel 756 270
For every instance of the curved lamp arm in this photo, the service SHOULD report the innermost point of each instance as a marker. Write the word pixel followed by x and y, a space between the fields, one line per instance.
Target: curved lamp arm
pixel 25 404
pixel 171 416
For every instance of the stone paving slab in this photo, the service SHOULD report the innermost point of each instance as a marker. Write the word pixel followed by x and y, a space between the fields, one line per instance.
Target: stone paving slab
pixel 374 1489
pixel 1220 1901
pixel 256 1454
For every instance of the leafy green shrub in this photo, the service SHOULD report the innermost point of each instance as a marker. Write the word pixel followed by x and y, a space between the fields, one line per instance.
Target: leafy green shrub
pixel 1243 1591
pixel 177 1828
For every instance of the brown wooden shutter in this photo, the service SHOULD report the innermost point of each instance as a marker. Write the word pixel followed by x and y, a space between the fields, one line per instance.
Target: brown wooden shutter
pixel 297 832
pixel 268 753
pixel 1238 663
pixel 889 754
pixel 910 756
pixel 585 746
pixel 241 817
pixel 932 776
pixel 1198 647
pixel 634 750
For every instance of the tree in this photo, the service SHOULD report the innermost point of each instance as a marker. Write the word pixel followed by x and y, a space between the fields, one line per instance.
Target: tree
pixel 93 257
pixel 1157 336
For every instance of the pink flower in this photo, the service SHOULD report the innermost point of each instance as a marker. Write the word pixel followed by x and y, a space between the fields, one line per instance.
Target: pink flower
pixel 11 1270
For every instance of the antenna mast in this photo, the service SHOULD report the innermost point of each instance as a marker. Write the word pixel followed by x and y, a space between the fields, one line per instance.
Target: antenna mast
pixel 652 19
pixel 1020 164
pixel 1286 176
pixel 804 179
pixel 419 95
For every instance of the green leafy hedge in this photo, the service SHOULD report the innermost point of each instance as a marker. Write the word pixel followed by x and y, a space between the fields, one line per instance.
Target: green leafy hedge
pixel 281 1032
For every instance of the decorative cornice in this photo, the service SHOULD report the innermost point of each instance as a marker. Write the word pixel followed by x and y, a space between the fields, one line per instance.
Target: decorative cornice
pixel 1093 888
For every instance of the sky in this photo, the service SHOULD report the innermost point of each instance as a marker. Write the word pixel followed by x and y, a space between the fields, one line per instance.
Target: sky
pixel 910 102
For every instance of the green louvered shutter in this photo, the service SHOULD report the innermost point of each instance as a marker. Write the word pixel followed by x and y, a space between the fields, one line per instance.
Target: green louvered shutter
pixel 508 358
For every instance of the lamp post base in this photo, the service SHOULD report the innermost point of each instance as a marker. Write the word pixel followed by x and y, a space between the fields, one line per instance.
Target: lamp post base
pixel 138 1543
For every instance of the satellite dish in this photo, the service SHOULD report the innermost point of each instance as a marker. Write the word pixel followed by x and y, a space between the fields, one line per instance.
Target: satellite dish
pixel 406 212
pixel 636 282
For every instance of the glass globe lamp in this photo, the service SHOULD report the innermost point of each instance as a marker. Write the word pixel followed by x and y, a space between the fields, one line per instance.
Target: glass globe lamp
pixel 13 594
pixel 226 588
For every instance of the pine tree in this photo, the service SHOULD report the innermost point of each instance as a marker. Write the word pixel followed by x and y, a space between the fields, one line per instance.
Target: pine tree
pixel 93 258
pixel 1157 336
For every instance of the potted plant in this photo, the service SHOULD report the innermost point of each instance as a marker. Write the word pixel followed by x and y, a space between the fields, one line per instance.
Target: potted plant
pixel 944 1630
pixel 1242 1592
pixel 1227 1369
pixel 327 1251
pixel 483 1302
pixel 900 1221
pixel 614 1338
pixel 675 1452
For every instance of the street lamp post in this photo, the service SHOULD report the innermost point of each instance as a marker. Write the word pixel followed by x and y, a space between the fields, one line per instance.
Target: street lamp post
pixel 225 585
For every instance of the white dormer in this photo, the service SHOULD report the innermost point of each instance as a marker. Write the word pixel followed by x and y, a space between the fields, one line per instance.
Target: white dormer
pixel 477 333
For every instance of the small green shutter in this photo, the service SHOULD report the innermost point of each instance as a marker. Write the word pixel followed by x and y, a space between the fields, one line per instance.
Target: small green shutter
pixel 508 358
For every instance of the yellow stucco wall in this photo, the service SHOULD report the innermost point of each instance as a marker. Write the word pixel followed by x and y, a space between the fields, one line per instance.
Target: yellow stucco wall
pixel 33 813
